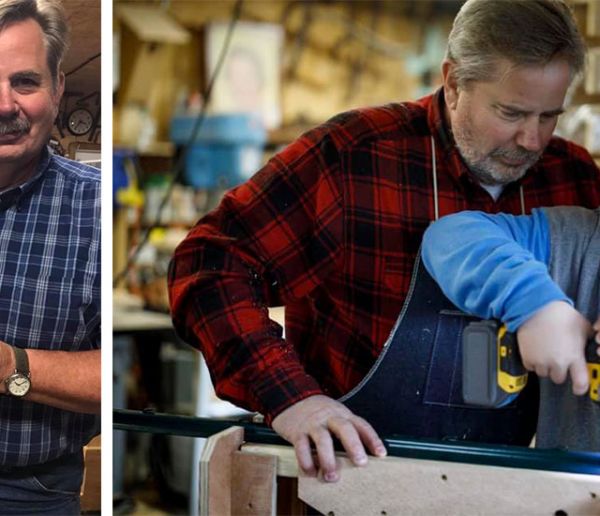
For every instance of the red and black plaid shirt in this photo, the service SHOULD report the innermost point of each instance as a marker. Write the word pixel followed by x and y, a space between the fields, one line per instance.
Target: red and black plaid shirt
pixel 330 228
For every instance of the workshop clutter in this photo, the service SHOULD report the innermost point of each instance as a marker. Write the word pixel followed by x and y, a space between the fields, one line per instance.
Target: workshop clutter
pixel 226 150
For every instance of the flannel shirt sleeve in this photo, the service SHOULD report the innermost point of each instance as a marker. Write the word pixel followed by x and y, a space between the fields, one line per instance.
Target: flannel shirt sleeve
pixel 270 240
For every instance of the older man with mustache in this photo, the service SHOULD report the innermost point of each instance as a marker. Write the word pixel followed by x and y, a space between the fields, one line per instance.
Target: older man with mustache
pixel 49 275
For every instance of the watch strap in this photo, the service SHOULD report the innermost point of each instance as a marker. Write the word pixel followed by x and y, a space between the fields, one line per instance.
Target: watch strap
pixel 21 361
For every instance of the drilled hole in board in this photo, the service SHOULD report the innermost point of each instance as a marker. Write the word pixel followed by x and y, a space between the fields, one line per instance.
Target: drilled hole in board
pixel 444 478
pixel 560 512
pixel 593 495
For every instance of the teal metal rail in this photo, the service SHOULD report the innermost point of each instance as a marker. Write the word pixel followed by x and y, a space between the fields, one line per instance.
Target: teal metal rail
pixel 397 446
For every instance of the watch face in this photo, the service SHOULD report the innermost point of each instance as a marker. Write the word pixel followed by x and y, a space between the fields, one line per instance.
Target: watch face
pixel 80 121
pixel 18 384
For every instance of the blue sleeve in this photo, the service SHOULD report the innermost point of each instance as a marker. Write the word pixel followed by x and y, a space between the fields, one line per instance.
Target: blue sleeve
pixel 493 266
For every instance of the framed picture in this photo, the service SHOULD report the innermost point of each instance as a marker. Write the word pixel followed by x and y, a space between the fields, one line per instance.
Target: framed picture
pixel 249 80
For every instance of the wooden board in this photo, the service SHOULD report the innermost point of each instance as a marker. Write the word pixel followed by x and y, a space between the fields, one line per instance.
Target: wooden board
pixel 254 484
pixel 152 24
pixel 396 485
pixel 287 466
pixel 90 487
pixel 593 18
pixel 216 471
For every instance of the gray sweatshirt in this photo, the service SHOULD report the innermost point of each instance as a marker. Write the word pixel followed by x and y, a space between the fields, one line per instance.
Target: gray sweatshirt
pixel 566 420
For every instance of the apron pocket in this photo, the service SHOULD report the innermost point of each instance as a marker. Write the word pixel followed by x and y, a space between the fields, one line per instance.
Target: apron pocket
pixel 443 385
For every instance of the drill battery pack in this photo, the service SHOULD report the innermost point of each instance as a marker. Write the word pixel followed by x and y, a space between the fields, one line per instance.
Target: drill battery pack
pixel 493 373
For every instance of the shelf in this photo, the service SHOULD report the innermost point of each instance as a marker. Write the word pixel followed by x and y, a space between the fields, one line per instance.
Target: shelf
pixel 156 149
pixel 285 135
pixel 581 97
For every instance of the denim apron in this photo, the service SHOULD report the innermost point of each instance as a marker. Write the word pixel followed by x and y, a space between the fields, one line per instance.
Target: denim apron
pixel 415 386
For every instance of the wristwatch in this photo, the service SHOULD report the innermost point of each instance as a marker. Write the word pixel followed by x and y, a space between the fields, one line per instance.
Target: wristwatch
pixel 19 383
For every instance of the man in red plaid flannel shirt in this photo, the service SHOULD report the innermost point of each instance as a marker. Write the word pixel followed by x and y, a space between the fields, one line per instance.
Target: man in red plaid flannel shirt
pixel 330 227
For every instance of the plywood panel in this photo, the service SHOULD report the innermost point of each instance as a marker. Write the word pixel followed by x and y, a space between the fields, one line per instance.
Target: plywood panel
pixel 254 487
pixel 409 486
pixel 216 473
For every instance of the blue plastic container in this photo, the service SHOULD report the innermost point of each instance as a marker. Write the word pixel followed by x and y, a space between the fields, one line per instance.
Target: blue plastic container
pixel 226 151
pixel 120 178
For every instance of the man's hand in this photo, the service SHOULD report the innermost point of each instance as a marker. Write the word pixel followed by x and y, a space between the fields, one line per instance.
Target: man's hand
pixel 552 343
pixel 68 380
pixel 315 420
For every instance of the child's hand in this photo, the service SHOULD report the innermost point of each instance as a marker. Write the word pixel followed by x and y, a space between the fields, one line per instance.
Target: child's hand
pixel 552 343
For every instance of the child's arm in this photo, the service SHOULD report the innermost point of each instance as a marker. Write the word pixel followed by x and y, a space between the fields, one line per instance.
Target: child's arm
pixel 496 266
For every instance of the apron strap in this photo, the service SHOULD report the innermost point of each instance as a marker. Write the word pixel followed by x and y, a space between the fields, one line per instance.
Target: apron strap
pixel 436 207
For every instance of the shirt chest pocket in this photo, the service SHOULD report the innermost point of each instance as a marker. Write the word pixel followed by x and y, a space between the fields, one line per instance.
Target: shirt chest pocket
pixel 53 306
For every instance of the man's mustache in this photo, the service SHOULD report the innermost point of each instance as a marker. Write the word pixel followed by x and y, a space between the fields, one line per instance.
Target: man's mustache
pixel 14 125
pixel 516 154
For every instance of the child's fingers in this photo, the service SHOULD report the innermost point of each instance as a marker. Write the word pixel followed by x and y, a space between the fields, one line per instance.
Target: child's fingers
pixel 579 377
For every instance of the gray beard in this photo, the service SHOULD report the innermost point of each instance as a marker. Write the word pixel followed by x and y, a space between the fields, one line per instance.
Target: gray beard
pixel 486 174
pixel 486 169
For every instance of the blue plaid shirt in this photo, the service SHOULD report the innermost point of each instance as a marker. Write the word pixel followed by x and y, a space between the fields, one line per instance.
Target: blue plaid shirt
pixel 49 297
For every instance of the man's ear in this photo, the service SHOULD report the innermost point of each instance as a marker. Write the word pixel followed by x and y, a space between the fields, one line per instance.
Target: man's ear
pixel 450 84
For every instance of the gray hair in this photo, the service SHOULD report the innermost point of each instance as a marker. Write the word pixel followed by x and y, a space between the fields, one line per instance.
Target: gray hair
pixel 51 17
pixel 524 32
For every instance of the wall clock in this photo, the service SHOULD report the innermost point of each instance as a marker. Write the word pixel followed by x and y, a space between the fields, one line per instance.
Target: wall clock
pixel 79 121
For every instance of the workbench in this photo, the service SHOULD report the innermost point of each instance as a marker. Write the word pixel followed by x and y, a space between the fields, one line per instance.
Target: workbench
pixel 247 470
pixel 243 479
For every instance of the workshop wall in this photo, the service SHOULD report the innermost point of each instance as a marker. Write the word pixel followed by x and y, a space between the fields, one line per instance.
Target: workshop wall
pixel 325 57
pixel 77 127
pixel 335 56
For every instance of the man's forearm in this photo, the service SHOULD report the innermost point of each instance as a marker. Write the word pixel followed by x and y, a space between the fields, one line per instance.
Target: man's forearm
pixel 69 380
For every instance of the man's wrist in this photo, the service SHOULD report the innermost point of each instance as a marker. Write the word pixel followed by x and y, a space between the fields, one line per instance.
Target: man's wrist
pixel 7 364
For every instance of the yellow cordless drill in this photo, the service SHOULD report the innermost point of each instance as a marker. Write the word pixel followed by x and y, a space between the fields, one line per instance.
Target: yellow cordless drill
pixel 493 372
